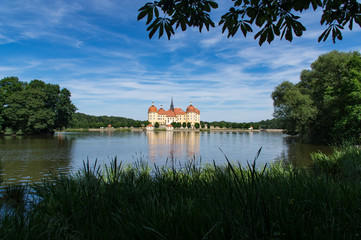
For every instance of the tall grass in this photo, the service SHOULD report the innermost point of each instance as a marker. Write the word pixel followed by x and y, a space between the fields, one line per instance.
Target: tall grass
pixel 196 202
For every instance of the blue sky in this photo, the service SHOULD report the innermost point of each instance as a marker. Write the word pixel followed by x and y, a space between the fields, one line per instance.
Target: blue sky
pixel 102 54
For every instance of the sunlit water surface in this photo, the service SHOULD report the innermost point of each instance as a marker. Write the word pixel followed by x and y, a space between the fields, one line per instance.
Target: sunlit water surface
pixel 25 159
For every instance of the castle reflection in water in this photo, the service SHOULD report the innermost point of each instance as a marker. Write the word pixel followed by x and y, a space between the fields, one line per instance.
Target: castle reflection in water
pixel 173 145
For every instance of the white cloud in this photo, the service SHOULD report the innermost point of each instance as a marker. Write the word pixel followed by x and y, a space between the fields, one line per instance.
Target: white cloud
pixel 101 53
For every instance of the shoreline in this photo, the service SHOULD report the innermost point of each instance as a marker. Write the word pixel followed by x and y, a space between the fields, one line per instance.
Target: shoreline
pixel 175 130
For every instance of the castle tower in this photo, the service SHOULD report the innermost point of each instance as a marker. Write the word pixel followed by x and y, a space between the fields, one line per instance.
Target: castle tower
pixel 171 105
pixel 152 114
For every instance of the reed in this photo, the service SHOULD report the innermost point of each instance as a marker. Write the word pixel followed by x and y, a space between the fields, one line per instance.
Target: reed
pixel 195 201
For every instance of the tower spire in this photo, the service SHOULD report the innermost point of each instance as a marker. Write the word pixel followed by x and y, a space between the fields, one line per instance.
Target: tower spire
pixel 171 105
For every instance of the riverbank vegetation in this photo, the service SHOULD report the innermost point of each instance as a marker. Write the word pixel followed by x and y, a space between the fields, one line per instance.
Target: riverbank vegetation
pixel 33 108
pixel 325 106
pixel 81 120
pixel 84 121
pixel 192 202
pixel 264 124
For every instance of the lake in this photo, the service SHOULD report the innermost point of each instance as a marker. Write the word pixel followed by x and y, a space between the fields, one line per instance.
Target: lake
pixel 26 159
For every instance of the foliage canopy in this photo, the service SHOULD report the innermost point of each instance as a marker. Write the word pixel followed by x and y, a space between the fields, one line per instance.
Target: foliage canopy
pixel 33 108
pixel 325 106
pixel 81 120
pixel 273 17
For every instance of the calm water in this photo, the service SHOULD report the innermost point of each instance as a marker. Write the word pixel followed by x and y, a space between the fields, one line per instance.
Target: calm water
pixel 31 158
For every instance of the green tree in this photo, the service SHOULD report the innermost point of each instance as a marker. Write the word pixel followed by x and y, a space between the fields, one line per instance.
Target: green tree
pixel 174 124
pixel 40 113
pixel 35 107
pixel 272 18
pixel 10 85
pixel 189 125
pixel 196 125
pixel 295 109
pixel 137 124
pixel 64 109
pixel 184 124
pixel 2 107
pixel 156 125
pixel 325 105
pixel 15 112
pixel 178 125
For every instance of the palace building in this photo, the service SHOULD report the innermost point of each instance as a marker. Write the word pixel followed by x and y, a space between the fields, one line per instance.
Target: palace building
pixel 162 117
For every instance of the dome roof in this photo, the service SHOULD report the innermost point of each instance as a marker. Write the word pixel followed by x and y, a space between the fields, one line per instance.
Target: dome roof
pixel 161 111
pixel 197 111
pixel 152 108
pixel 191 108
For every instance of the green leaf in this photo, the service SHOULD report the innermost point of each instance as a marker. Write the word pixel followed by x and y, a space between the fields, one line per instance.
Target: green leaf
pixel 150 16
pixel 251 13
pixel 244 30
pixel 154 29
pixel 289 35
pixel 156 12
pixel 257 34
pixel 270 36
pixel 238 3
pixel 168 30
pixel 161 30
pixel 276 30
pixel 207 8
pixel 358 19
pixel 142 14
pixel 151 26
pixel 324 35
pixel 263 37
pixel 339 34
pixel 224 27
pixel 213 4
pixel 183 26
pixel 351 24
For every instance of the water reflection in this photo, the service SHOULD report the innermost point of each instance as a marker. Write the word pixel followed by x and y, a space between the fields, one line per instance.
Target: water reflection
pixel 31 158
pixel 299 154
pixel 26 159
pixel 172 145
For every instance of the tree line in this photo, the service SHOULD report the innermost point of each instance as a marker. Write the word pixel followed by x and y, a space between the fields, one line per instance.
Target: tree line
pixel 81 120
pixel 325 105
pixel 34 107
pixel 264 124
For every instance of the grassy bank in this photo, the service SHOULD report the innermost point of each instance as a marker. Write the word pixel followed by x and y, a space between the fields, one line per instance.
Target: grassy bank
pixel 76 130
pixel 96 130
pixel 208 202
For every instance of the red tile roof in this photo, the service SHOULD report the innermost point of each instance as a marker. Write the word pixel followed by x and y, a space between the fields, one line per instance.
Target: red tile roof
pixel 152 109
pixel 161 111
pixel 191 109
pixel 170 113
pixel 179 111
